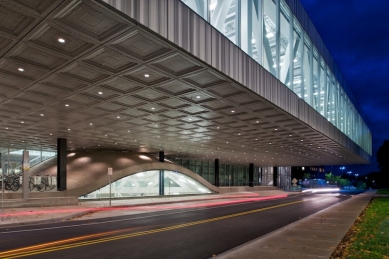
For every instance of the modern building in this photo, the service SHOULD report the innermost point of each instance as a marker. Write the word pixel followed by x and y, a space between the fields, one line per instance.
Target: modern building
pixel 235 92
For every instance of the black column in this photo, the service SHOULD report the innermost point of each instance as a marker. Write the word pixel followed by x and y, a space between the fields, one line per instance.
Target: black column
pixel 251 175
pixel 161 174
pixel 61 163
pixel 217 172
pixel 275 176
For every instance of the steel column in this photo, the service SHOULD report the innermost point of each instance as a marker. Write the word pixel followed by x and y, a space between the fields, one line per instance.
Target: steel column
pixel 61 164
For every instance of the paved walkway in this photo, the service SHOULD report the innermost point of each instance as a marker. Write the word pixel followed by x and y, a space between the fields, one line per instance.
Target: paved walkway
pixel 315 236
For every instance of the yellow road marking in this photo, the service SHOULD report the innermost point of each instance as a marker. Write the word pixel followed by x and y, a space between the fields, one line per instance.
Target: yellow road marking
pixel 22 252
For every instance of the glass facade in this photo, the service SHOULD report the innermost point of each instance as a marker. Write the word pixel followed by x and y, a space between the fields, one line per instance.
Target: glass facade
pixel 147 184
pixel 269 32
pixel 13 162
pixel 263 176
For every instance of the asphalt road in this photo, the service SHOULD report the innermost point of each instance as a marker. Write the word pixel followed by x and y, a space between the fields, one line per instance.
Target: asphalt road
pixel 186 233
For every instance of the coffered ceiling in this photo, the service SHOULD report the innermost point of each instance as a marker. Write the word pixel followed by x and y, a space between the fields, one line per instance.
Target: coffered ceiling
pixel 82 71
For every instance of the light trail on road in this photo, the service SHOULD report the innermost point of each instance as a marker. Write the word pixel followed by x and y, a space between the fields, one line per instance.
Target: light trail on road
pixel 68 243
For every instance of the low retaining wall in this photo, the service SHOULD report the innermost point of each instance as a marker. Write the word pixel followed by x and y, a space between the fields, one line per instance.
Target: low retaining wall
pixel 40 202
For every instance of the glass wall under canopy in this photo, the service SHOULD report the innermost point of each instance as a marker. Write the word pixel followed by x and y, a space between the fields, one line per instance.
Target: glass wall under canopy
pixel 147 184
pixel 12 162
pixel 268 31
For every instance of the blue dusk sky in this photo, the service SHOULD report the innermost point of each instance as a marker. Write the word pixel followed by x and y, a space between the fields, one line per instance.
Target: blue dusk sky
pixel 357 35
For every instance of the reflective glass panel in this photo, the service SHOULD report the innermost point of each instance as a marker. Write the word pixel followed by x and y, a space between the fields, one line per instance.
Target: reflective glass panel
pixel 285 45
pixel 147 184
pixel 199 6
pixel 224 16
pixel 269 39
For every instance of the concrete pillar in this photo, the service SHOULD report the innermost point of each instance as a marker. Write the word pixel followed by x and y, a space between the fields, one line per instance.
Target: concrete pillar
pixel 161 156
pixel 25 174
pixel 275 176
pixel 161 174
pixel 217 183
pixel 251 175
pixel 61 164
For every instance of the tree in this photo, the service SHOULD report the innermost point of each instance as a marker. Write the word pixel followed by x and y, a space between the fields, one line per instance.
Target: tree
pixel 383 157
pixel 331 178
pixel 307 176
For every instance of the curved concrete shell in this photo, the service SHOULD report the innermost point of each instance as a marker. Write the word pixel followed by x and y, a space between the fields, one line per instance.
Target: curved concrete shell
pixel 88 170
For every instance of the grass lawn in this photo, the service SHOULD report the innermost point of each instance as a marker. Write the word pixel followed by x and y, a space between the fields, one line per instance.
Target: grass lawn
pixel 369 237
pixel 383 191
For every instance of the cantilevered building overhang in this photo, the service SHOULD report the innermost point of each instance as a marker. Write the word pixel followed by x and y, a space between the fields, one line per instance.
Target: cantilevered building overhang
pixel 144 76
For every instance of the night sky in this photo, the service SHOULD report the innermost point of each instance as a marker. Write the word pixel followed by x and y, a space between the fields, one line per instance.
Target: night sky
pixel 357 35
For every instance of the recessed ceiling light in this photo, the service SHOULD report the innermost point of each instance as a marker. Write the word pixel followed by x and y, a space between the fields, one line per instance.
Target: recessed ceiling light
pixel 6 128
pixel 68 129
pixel 51 134
pixel 147 75
pixel 67 105
pixel 118 117
pixel 290 135
pixel 100 92
pixel 42 114
pixel 128 130
pixel 106 135
pixel 91 123
pixel 22 122
pixel 302 140
pixel 152 108
pixel 21 69
pixel 198 97
pixel 257 121
pixel 232 111
pixel 61 40
pixel 275 129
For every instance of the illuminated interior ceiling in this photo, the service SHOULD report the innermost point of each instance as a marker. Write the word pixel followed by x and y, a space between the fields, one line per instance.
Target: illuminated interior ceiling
pixel 85 72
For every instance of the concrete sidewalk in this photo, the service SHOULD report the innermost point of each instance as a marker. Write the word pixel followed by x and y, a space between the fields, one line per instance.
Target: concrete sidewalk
pixel 119 207
pixel 315 236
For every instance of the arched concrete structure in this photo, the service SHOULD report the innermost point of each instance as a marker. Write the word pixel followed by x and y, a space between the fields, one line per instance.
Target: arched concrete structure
pixel 88 170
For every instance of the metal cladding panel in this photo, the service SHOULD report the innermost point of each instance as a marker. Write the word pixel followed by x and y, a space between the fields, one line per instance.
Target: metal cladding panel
pixel 201 40
pixel 294 100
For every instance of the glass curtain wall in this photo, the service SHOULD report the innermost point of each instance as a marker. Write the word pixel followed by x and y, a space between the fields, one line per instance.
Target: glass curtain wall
pixel 284 178
pixel 268 32
pixel 147 184
pixel 206 169
pixel 12 163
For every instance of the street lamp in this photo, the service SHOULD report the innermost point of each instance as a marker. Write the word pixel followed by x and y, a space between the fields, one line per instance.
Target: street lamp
pixel 356 177
pixel 342 168
pixel 349 173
